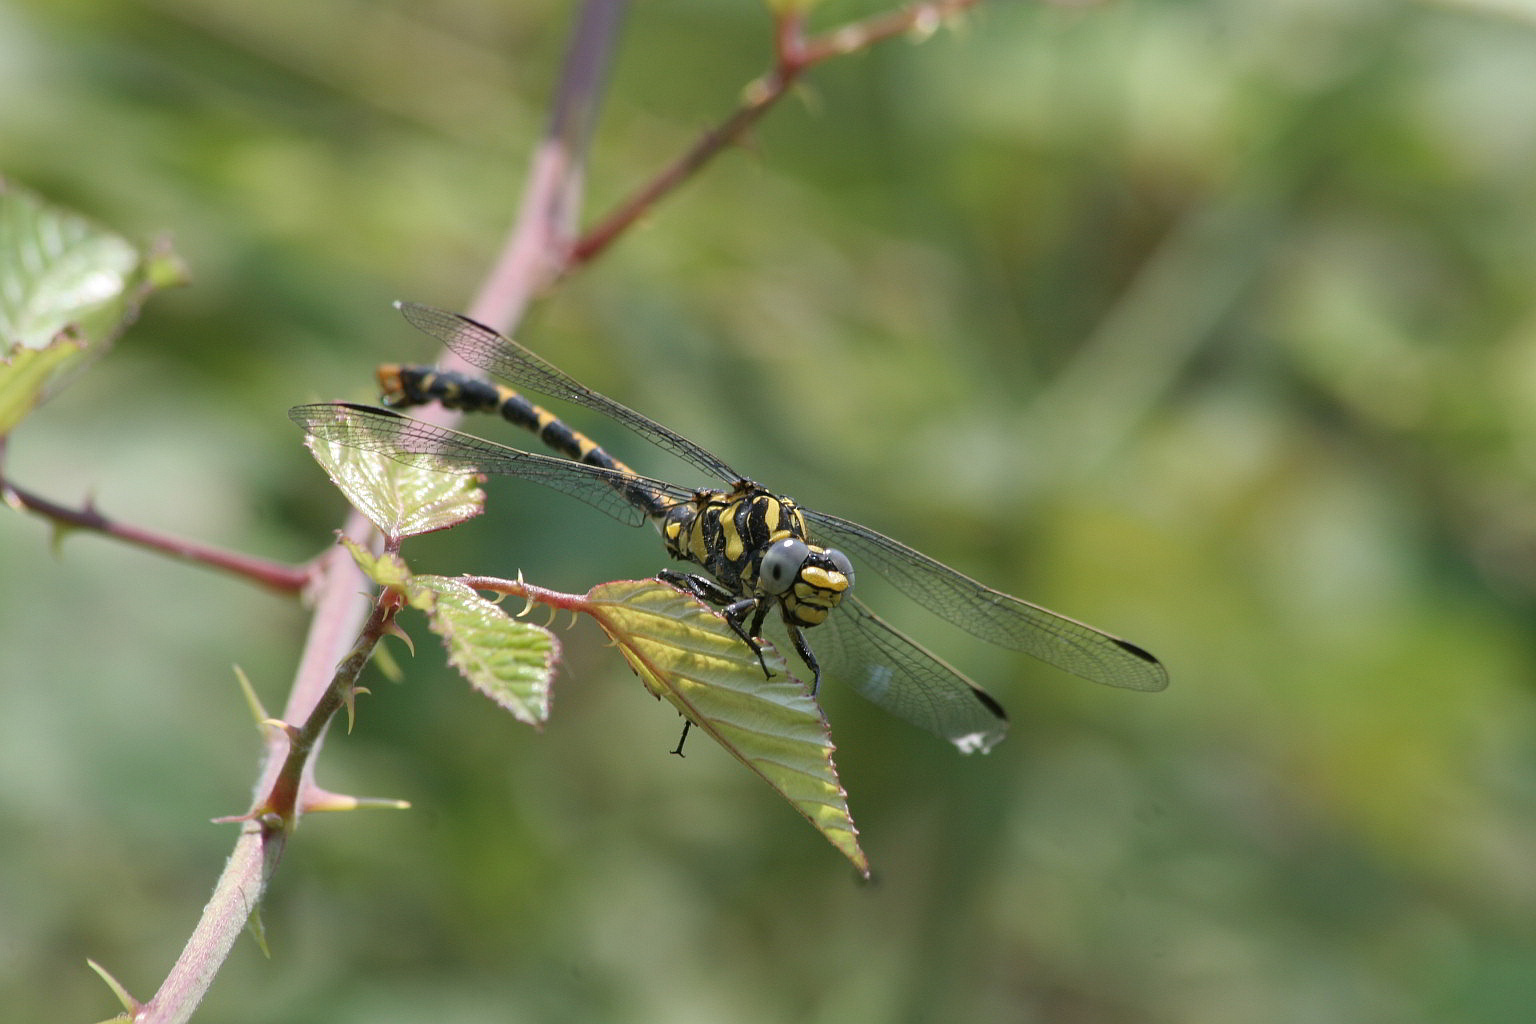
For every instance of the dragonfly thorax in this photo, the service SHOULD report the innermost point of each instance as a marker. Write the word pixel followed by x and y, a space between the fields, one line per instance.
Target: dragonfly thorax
pixel 752 547
pixel 754 544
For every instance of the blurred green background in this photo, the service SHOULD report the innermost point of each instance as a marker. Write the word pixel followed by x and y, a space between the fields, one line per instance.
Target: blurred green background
pixel 1210 323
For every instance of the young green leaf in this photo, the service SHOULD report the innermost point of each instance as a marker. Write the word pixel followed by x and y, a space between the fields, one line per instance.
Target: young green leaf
pixel 402 501
pixel 27 375
pixel 684 651
pixel 509 660
pixel 67 288
pixel 385 569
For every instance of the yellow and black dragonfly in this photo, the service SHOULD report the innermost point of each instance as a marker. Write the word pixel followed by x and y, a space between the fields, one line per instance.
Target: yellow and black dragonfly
pixel 761 553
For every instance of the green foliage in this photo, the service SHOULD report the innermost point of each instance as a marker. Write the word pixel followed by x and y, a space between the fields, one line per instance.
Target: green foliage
pixel 401 500
pixel 69 289
pixel 682 650
pixel 687 653
pixel 509 661
pixel 1210 323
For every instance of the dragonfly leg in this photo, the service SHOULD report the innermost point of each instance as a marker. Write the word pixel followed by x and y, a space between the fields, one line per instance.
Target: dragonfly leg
pixel 797 637
pixel 687 724
pixel 734 610
pixel 736 614
pixel 705 590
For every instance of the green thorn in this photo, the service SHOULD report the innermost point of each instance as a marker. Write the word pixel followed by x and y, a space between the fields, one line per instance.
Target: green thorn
pixel 258 712
pixel 258 930
pixel 130 1004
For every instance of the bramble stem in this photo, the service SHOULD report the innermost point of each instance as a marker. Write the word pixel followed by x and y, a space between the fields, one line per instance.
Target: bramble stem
pixel 263 835
pixel 286 797
pixel 287 579
pixel 794 54
pixel 532 258
pixel 538 252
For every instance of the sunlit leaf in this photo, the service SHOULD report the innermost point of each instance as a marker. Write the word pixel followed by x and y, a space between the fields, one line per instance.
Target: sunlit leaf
pixel 27 375
pixel 387 569
pixel 402 501
pixel 67 289
pixel 509 660
pixel 685 652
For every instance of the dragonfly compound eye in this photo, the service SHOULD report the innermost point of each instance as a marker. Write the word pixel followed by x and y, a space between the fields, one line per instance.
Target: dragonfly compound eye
pixel 841 563
pixel 723 530
pixel 781 565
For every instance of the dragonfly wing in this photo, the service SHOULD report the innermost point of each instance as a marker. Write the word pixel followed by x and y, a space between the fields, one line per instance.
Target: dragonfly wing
pixel 861 650
pixel 997 617
pixel 628 498
pixel 502 357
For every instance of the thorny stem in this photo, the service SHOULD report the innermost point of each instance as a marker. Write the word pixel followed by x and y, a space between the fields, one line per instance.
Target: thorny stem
pixel 287 772
pixel 263 838
pixel 288 579
pixel 552 599
pixel 287 798
pixel 537 253
pixel 794 54
pixel 532 256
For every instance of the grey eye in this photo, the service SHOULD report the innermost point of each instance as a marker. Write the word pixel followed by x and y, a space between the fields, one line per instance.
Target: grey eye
pixel 841 563
pixel 781 564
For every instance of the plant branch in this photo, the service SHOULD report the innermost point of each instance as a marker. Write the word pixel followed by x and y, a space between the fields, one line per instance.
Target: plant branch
pixel 264 835
pixel 287 579
pixel 539 250
pixel 794 54
pixel 288 796
pixel 532 257
pixel 286 787
pixel 236 897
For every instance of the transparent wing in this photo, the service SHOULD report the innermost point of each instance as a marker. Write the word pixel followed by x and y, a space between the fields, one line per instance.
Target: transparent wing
pixel 860 650
pixel 628 498
pixel 990 614
pixel 994 616
pixel 502 357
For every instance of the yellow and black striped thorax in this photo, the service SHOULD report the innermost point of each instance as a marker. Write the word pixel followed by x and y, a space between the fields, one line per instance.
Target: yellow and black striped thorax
pixel 752 547
pixel 740 538
pixel 728 534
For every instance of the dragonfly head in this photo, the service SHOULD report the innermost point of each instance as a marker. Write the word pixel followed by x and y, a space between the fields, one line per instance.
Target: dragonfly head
pixel 809 580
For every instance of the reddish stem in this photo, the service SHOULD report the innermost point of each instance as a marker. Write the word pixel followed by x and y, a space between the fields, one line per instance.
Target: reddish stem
pixel 287 579
pixel 794 54
pixel 286 796
pixel 535 255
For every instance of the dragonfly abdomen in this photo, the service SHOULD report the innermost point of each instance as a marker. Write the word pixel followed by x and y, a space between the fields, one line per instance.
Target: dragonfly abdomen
pixel 754 546
pixel 403 386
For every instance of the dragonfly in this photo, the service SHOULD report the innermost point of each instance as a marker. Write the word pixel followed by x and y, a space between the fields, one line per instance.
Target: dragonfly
pixel 760 558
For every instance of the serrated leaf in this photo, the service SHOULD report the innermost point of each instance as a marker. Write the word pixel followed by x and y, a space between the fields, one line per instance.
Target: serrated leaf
pixel 67 288
pixel 401 500
pixel 386 569
pixel 509 660
pixel 28 374
pixel 685 652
